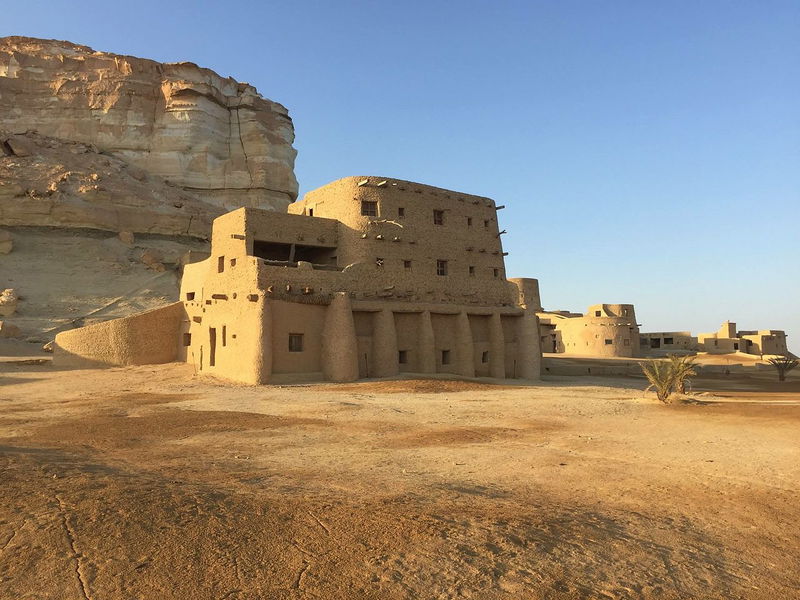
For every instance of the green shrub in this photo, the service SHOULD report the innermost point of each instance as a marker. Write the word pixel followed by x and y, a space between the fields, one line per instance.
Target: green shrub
pixel 682 368
pixel 661 376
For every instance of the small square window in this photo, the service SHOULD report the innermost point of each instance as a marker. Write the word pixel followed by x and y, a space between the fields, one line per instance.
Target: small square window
pixel 485 356
pixel 445 357
pixel 441 267
pixel 401 212
pixel 438 217
pixel 471 271
pixel 295 342
pixel 233 262
pixel 609 342
pixel 486 224
pixel 407 265
pixel 187 339
pixel 469 221
pixel 496 273
pixel 669 341
pixel 190 295
pixel 369 208
pixel 402 357
pixel 598 313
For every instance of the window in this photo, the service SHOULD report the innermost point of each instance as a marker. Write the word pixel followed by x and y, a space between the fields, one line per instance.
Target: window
pixel 441 267
pixel 485 356
pixel 187 339
pixel 233 262
pixel 402 357
pixel 471 271
pixel 608 342
pixel 295 342
pixel 598 313
pixel 496 273
pixel 669 341
pixel 445 357
pixel 407 265
pixel 736 346
pixel 401 213
pixel 369 208
pixel 220 264
pixel 310 212
pixel 469 221
pixel 438 217
pixel 224 335
pixel 486 224
pixel 190 295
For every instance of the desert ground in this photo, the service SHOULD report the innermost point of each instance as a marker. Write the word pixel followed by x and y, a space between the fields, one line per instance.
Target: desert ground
pixel 152 483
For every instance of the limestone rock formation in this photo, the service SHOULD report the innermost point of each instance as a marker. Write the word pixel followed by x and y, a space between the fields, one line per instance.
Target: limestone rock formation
pixel 212 136
pixel 47 182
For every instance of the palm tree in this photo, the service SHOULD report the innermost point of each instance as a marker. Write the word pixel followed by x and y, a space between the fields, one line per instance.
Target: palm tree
pixel 682 368
pixel 661 376
pixel 783 364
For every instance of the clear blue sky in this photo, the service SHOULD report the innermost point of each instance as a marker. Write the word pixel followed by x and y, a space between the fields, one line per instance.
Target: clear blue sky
pixel 648 152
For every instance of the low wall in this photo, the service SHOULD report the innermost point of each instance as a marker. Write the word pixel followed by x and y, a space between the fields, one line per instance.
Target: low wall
pixel 146 338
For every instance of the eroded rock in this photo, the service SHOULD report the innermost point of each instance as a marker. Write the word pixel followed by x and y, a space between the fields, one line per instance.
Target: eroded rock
pixel 8 330
pixel 8 302
pixel 213 136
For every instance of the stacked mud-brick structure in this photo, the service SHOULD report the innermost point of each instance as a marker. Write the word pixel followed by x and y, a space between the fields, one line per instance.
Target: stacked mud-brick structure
pixel 365 277
pixel 605 330
pixel 727 339
pixel 667 342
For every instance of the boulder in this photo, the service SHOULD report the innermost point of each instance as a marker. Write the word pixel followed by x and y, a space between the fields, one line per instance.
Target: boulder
pixel 8 302
pixel 7 330
pixel 153 259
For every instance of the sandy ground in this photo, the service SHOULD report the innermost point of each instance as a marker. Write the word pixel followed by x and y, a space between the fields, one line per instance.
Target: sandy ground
pixel 149 483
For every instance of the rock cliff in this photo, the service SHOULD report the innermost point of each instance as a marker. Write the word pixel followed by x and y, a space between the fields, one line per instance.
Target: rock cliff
pixel 47 182
pixel 216 138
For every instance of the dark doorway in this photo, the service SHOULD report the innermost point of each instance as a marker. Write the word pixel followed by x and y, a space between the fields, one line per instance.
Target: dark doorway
pixel 212 338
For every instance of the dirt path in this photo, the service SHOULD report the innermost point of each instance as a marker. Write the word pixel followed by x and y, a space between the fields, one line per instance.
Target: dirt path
pixel 147 483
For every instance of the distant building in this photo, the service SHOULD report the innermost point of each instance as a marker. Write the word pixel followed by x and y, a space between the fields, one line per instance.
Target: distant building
pixel 605 330
pixel 665 342
pixel 727 339
pixel 365 277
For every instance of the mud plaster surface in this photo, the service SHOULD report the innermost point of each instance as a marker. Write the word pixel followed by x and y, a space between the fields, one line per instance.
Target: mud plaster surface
pixel 146 482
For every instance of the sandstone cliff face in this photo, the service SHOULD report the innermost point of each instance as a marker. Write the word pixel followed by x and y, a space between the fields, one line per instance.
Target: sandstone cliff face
pixel 216 138
pixel 47 182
